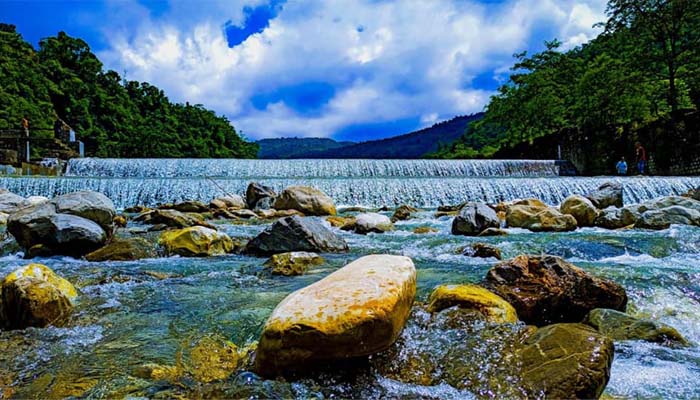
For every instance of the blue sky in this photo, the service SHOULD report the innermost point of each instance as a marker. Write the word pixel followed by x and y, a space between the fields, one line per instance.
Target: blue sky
pixel 350 70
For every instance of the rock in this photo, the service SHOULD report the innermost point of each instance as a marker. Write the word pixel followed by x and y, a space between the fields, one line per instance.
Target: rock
pixel 266 203
pixel 211 358
pixel 3 218
pixel 440 214
pixel 539 219
pixel 451 208
pixel 136 209
pixel 196 241
pixel 616 218
pixel 123 250
pixel 10 202
pixel 230 201
pixel 493 307
pixel 580 208
pixel 306 199
pixel 620 326
pixel 34 200
pixel 503 206
pixel 566 361
pixel 64 234
pixel 493 232
pixel 296 234
pixel 693 193
pixel 255 192
pixel 546 289
pixel 189 206
pixel 344 223
pixel 372 222
pixel 420 230
pixel 483 250
pixel 356 311
pixel 243 214
pixel 403 213
pixel 665 217
pixel 35 296
pixel 119 221
pixel 90 205
pixel 608 194
pixel 169 218
pixel 474 218
pixel 293 263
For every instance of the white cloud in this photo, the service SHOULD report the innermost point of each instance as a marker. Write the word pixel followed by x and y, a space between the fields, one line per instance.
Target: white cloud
pixel 386 60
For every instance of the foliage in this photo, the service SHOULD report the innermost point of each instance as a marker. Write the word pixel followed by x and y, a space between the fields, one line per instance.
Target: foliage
pixel 114 117
pixel 296 147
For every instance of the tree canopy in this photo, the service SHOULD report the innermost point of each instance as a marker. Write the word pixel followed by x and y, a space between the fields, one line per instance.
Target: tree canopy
pixel 114 117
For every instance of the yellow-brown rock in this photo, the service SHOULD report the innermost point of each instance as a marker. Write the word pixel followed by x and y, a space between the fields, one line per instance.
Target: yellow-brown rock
pixel 341 222
pixel 306 199
pixel 356 311
pixel 35 296
pixel 424 229
pixel 212 359
pixel 293 262
pixel 196 241
pixel 492 306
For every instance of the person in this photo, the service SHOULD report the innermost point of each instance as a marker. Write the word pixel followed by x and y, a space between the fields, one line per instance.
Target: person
pixel 621 166
pixel 641 158
pixel 25 125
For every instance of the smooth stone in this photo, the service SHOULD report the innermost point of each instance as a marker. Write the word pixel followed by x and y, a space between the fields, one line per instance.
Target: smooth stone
pixel 296 234
pixel 356 311
pixel 546 289
pixel 665 217
pixel 196 241
pixel 474 218
pixel 616 218
pixel 293 263
pixel 344 223
pixel 89 205
pixel 620 326
pixel 539 219
pixel 580 208
pixel 10 202
pixel 189 206
pixel 372 222
pixel 306 199
pixel 230 201
pixel 608 194
pixel 402 213
pixel 169 218
pixel 123 250
pixel 473 297
pixel 257 191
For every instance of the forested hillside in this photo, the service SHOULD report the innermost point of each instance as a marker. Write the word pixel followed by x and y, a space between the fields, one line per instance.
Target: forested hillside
pixel 638 80
pixel 296 147
pixel 113 116
pixel 411 145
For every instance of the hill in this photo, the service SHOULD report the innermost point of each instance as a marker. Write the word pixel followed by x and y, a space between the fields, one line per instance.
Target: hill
pixel 296 147
pixel 410 145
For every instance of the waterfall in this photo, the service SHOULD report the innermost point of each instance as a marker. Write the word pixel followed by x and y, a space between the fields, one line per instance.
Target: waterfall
pixel 374 192
pixel 268 169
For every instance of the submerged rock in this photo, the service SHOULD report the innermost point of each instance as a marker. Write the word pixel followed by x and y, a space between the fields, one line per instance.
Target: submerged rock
pixel 473 297
pixel 35 296
pixel 580 208
pixel 620 326
pixel 293 263
pixel 372 222
pixel 539 219
pixel 123 250
pixel 566 361
pixel 296 234
pixel 608 194
pixel 356 311
pixel 306 199
pixel 546 289
pixel 482 250
pixel 421 230
pixel 474 218
pixel 402 213
pixel 255 192
pixel 196 241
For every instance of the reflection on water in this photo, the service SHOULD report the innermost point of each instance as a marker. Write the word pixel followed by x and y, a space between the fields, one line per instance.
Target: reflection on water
pixel 136 315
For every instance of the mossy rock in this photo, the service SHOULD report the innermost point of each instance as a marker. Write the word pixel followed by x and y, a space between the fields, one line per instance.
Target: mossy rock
pixel 620 326
pixel 492 306
pixel 196 241
pixel 35 296
pixel 123 250
pixel 293 263
pixel 566 361
pixel 344 223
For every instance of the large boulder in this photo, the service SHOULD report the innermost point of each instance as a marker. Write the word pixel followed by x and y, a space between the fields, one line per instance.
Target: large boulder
pixel 539 219
pixel 293 263
pixel 608 194
pixel 296 234
pixel 472 297
pixel 372 222
pixel 580 208
pixel 10 202
pixel 129 249
pixel 474 218
pixel 231 201
pixel 66 234
pixel 35 296
pixel 306 199
pixel 566 361
pixel 546 289
pixel 255 192
pixel 620 326
pixel 196 241
pixel 356 311
pixel 663 218
pixel 89 205
pixel 616 218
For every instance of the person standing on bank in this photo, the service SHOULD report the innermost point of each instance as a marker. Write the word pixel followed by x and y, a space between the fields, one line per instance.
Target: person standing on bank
pixel 25 126
pixel 641 158
pixel 621 167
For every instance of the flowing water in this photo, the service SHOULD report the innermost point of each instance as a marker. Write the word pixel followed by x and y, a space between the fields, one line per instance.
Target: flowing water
pixel 154 311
